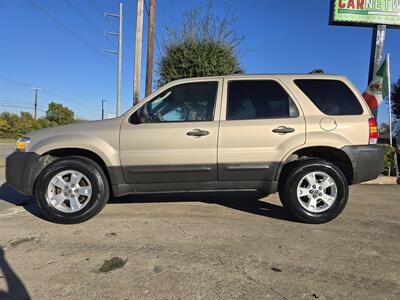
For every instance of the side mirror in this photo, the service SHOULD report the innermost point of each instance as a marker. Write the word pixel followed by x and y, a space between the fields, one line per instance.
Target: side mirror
pixel 134 119
pixel 139 116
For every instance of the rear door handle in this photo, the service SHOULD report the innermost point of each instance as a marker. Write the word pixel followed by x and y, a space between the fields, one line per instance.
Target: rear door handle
pixel 283 129
pixel 198 132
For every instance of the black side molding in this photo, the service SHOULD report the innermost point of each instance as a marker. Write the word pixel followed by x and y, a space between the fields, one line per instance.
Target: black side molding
pixel 267 187
pixel 259 171
pixel 170 173
pixel 168 169
pixel 246 167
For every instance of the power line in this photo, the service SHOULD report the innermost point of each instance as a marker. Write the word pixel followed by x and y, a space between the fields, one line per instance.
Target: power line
pixel 23 107
pixel 89 22
pixel 16 81
pixel 68 100
pixel 83 40
pixel 19 102
pixel 99 10
pixel 47 91
pixel 155 34
pixel 78 36
pixel 101 13
pixel 12 101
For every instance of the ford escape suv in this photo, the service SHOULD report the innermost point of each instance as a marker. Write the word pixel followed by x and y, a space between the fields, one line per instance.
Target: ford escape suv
pixel 307 137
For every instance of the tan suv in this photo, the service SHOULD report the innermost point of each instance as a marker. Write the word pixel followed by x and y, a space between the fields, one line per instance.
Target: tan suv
pixel 305 136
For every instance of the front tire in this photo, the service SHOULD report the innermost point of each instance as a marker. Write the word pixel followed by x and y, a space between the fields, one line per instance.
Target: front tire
pixel 314 190
pixel 71 190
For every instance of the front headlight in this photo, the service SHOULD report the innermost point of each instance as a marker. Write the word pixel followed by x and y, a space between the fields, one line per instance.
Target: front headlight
pixel 22 143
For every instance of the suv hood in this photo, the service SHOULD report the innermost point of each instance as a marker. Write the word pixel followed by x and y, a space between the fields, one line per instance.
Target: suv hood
pixel 96 136
pixel 93 128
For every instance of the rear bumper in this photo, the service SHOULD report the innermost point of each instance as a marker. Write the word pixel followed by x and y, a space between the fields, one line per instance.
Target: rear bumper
pixel 22 169
pixel 366 160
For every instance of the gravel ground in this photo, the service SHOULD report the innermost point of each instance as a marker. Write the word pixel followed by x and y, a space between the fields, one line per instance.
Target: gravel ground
pixel 203 246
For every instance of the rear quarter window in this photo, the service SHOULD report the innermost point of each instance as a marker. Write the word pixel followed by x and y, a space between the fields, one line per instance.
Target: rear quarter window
pixel 332 97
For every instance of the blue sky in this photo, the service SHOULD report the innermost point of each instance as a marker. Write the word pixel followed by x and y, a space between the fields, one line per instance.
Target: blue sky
pixel 65 58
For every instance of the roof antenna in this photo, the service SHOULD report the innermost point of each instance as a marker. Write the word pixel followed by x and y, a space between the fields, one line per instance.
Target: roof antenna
pixel 317 71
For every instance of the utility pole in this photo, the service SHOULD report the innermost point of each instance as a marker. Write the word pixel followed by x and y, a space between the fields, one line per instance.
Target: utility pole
pixel 36 102
pixel 119 53
pixel 150 48
pixel 102 108
pixel 378 42
pixel 138 51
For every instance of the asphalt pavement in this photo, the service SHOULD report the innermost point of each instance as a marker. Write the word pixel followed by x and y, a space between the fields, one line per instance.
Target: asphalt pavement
pixel 202 246
pixel 6 149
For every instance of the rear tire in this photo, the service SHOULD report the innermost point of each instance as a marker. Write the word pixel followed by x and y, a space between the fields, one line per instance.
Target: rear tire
pixel 62 201
pixel 314 190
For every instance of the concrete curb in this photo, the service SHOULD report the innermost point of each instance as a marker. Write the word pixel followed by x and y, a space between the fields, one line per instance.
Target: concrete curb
pixel 383 180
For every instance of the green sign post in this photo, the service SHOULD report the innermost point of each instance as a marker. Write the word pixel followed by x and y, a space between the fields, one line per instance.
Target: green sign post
pixel 365 12
pixel 373 13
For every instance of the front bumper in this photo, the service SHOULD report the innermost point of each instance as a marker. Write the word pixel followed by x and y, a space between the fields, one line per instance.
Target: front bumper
pixel 22 169
pixel 366 160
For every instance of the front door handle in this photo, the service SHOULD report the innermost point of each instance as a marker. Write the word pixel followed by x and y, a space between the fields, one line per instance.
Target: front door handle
pixel 197 132
pixel 283 129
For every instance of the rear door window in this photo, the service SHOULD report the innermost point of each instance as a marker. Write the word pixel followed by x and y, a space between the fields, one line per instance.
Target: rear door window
pixel 258 99
pixel 332 97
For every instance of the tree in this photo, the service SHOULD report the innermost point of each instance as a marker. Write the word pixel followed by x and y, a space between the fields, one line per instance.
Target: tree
pixel 396 99
pixel 14 126
pixel 43 123
pixel 59 114
pixel 9 123
pixel 24 124
pixel 202 45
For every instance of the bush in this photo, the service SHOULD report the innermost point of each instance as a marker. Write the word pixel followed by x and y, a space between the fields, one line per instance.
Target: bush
pixel 388 166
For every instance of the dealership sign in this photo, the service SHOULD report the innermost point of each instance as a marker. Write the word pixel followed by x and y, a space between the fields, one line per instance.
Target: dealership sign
pixel 365 12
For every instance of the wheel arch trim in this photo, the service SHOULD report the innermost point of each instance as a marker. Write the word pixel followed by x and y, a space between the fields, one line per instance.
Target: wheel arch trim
pixel 346 167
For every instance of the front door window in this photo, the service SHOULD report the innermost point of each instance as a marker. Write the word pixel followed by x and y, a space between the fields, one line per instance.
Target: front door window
pixel 189 102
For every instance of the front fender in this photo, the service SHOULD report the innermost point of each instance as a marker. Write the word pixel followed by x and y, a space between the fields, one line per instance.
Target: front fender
pixel 106 150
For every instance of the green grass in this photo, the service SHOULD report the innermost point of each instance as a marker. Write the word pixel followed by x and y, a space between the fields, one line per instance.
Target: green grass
pixel 2 140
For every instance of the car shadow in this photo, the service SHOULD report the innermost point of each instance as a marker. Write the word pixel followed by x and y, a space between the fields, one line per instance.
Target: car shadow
pixel 246 201
pixel 9 195
pixel 15 286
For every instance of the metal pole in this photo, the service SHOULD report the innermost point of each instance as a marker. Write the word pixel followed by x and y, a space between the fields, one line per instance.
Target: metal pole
pixel 378 42
pixel 150 48
pixel 119 61
pixel 138 51
pixel 36 94
pixel 119 53
pixel 36 102
pixel 390 117
pixel 102 108
pixel 390 101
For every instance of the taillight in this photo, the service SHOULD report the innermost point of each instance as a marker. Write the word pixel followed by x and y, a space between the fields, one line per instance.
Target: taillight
pixel 373 131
